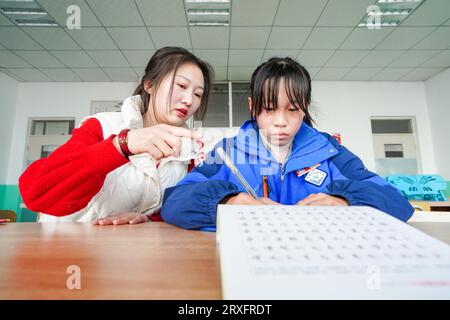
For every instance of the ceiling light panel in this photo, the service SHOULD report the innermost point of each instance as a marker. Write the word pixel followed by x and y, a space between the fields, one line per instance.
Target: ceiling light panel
pixel 26 13
pixel 208 12
pixel 389 13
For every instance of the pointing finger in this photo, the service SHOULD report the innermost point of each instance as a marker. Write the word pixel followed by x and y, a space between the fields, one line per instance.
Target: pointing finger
pixel 186 133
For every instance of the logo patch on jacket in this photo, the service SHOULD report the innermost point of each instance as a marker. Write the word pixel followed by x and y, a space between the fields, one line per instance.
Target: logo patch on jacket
pixel 316 177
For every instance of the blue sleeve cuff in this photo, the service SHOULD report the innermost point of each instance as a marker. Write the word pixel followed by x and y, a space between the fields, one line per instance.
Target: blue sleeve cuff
pixel 194 205
pixel 365 193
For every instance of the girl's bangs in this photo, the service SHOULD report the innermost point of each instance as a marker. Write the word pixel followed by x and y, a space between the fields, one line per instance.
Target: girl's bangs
pixel 293 90
pixel 271 88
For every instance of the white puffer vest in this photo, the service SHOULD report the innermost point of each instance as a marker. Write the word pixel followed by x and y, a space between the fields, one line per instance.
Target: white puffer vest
pixel 137 186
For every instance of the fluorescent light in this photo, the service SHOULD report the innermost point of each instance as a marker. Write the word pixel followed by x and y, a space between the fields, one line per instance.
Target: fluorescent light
pixel 389 13
pixel 208 12
pixel 209 23
pixel 30 14
pixel 36 23
pixel 25 11
pixel 398 1
pixel 383 24
pixel 207 1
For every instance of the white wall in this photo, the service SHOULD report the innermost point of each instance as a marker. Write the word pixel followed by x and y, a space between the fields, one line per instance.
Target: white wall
pixel 344 107
pixel 8 99
pixel 347 107
pixel 438 99
pixel 51 99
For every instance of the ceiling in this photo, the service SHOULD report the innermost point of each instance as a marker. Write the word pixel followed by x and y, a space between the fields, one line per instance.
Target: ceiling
pixel 117 38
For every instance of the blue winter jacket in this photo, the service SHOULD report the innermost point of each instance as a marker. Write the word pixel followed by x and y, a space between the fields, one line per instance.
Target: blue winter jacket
pixel 192 203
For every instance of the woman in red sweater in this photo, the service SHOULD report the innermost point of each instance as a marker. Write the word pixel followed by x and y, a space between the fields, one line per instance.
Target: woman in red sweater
pixel 116 166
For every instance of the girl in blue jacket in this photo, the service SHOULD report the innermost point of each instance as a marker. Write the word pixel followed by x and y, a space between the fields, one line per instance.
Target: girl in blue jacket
pixel 283 158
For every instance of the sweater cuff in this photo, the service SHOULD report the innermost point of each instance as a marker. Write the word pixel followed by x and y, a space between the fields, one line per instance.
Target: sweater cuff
pixel 104 156
pixel 346 196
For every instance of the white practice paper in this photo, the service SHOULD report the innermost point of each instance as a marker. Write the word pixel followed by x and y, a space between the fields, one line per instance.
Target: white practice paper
pixel 293 252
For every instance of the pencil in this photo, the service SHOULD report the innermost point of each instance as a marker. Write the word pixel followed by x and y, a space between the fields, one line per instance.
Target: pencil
pixel 236 172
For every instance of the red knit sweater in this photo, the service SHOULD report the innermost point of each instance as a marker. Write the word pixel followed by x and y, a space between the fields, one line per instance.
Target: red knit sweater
pixel 71 176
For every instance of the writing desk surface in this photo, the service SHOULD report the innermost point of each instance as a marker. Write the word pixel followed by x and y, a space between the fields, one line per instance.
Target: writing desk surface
pixel 145 261
pixel 438 230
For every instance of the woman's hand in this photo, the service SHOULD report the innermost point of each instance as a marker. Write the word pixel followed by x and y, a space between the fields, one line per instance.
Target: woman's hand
pixel 160 141
pixel 122 218
pixel 322 199
pixel 246 199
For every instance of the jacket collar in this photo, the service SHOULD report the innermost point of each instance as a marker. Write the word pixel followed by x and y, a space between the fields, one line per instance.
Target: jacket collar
pixel 309 147
pixel 131 112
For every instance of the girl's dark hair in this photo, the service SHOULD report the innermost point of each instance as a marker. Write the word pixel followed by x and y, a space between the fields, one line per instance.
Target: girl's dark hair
pixel 265 85
pixel 167 60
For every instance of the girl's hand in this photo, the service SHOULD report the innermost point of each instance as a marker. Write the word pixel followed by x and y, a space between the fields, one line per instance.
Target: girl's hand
pixel 160 141
pixel 122 218
pixel 322 199
pixel 246 199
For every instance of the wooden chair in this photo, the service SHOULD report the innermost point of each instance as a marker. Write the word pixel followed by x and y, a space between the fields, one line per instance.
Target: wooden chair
pixel 420 206
pixel 8 214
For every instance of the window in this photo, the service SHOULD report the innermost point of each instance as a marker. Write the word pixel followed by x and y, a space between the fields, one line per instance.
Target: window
pixel 217 114
pixel 222 113
pixel 391 126
pixel 46 150
pixel 52 127
pixel 393 150
pixel 240 94
pixel 45 135
pixel 395 146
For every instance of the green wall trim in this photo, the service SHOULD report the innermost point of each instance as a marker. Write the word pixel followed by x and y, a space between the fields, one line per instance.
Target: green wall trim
pixel 447 192
pixel 10 199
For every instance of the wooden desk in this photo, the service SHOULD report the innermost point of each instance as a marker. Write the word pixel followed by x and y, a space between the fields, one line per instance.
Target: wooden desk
pixel 438 230
pixel 146 261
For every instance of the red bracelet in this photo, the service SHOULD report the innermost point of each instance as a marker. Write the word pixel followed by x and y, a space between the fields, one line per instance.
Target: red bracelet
pixel 123 142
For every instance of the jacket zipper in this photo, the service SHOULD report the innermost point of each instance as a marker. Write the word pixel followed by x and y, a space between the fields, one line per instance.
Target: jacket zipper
pixel 265 189
pixel 282 171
